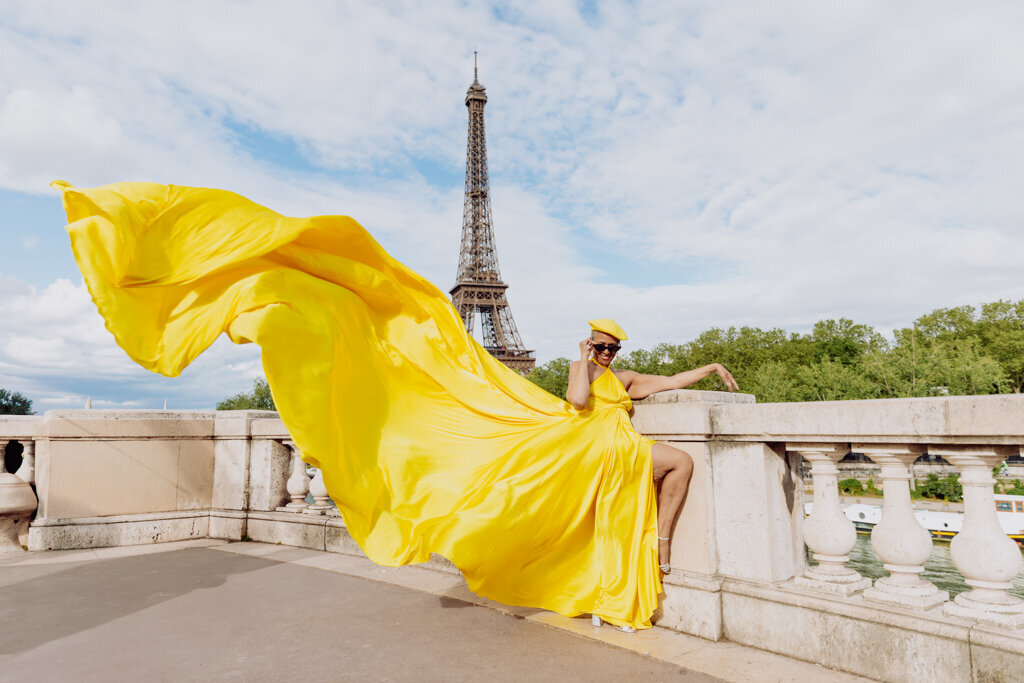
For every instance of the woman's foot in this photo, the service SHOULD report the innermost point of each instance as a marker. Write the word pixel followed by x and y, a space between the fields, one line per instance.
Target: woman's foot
pixel 596 622
pixel 664 551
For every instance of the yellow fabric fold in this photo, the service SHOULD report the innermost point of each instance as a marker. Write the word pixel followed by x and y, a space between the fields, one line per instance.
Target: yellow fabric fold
pixel 427 444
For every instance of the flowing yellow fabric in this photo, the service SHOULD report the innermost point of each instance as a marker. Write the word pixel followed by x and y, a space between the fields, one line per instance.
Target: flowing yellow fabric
pixel 426 443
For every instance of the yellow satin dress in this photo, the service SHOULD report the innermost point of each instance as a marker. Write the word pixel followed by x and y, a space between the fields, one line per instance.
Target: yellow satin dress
pixel 427 444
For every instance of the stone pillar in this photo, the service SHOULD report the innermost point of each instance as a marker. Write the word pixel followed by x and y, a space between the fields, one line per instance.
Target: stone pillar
pixel 271 466
pixel 298 483
pixel 982 551
pixel 321 499
pixel 899 539
pixel 827 532
pixel 27 471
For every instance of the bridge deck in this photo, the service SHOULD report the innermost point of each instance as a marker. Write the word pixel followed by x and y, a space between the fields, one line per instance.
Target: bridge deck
pixel 214 611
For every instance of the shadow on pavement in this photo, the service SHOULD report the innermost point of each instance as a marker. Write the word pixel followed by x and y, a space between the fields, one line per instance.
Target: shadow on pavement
pixel 85 595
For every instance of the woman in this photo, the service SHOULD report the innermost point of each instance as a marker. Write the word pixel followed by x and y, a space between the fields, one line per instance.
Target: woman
pixel 671 466
pixel 426 443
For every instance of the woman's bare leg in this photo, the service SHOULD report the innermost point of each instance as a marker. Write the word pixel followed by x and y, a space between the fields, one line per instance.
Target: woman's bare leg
pixel 674 468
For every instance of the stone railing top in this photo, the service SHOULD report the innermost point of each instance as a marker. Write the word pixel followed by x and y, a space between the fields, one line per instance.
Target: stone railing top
pixel 695 396
pixel 955 419
pixel 19 426
pixel 682 415
pixel 132 424
pixel 128 424
pixel 270 427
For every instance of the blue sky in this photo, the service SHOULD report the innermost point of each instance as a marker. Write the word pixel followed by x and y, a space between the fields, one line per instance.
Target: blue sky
pixel 676 166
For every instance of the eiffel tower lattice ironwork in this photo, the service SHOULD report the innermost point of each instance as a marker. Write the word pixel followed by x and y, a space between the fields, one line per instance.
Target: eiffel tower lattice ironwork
pixel 478 286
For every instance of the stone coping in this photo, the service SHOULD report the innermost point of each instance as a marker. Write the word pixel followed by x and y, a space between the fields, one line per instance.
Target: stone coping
pixel 997 419
pixel 696 396
pixel 671 415
pixel 15 427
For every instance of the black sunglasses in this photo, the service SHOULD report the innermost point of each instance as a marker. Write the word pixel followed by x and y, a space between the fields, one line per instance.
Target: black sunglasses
pixel 601 348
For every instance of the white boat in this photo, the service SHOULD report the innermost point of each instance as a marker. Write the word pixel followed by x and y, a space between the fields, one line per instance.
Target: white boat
pixel 942 525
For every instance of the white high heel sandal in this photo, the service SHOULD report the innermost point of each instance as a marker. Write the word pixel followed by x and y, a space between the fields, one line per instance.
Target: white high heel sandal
pixel 667 567
pixel 596 622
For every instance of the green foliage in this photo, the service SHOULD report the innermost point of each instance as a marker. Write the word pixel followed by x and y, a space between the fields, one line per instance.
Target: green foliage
pixel 851 487
pixel 948 488
pixel 870 489
pixel 773 382
pixel 553 376
pixel 259 398
pixel 1000 328
pixel 950 351
pixel 844 341
pixel 13 403
pixel 1016 490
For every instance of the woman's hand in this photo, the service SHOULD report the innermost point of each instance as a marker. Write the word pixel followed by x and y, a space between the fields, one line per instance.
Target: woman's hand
pixel 727 379
pixel 585 349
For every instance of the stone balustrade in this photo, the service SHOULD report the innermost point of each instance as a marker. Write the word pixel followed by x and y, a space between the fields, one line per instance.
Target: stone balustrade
pixel 740 568
pixel 17 499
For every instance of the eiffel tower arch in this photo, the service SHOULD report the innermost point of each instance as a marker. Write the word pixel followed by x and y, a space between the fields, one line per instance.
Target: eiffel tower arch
pixel 478 286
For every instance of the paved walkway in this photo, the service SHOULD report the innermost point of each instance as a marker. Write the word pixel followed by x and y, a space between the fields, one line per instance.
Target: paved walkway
pixel 214 611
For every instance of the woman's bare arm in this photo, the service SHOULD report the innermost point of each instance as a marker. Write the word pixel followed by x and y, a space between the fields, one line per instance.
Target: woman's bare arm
pixel 578 390
pixel 641 386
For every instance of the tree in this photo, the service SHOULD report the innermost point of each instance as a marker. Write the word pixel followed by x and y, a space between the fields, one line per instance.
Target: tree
pixel 944 489
pixel 843 340
pixel 947 323
pixel 773 382
pixel 923 363
pixel 259 398
pixel 553 376
pixel 964 371
pixel 948 351
pixel 13 403
pixel 653 362
pixel 1000 328
pixel 830 380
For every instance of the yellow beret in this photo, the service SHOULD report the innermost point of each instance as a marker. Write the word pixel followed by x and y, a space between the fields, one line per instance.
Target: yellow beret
pixel 608 326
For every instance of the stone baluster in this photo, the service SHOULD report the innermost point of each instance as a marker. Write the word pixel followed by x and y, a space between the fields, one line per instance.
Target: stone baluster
pixel 298 482
pixel 17 503
pixel 321 499
pixel 984 554
pixel 899 539
pixel 27 471
pixel 827 532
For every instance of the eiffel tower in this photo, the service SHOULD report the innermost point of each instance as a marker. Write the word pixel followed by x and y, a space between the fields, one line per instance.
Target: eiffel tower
pixel 478 286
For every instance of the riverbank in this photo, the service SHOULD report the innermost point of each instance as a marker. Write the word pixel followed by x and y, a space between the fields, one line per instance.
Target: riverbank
pixel 919 504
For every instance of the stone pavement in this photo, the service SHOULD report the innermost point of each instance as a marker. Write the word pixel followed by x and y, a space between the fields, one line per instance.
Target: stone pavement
pixel 214 611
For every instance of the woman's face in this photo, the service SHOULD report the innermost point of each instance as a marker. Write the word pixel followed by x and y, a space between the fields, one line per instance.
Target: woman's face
pixel 602 341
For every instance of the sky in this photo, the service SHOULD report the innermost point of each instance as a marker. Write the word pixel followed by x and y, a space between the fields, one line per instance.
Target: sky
pixel 676 166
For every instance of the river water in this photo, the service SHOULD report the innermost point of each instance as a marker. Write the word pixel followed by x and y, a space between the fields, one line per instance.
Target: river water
pixel 939 568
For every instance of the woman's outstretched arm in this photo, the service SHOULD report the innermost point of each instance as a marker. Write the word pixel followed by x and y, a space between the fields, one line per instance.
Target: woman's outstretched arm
pixel 641 386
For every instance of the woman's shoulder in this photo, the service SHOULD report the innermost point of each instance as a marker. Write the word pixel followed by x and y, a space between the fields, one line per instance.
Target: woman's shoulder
pixel 625 376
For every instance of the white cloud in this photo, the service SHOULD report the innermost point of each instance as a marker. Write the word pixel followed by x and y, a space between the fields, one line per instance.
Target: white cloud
pixel 676 167
pixel 55 350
